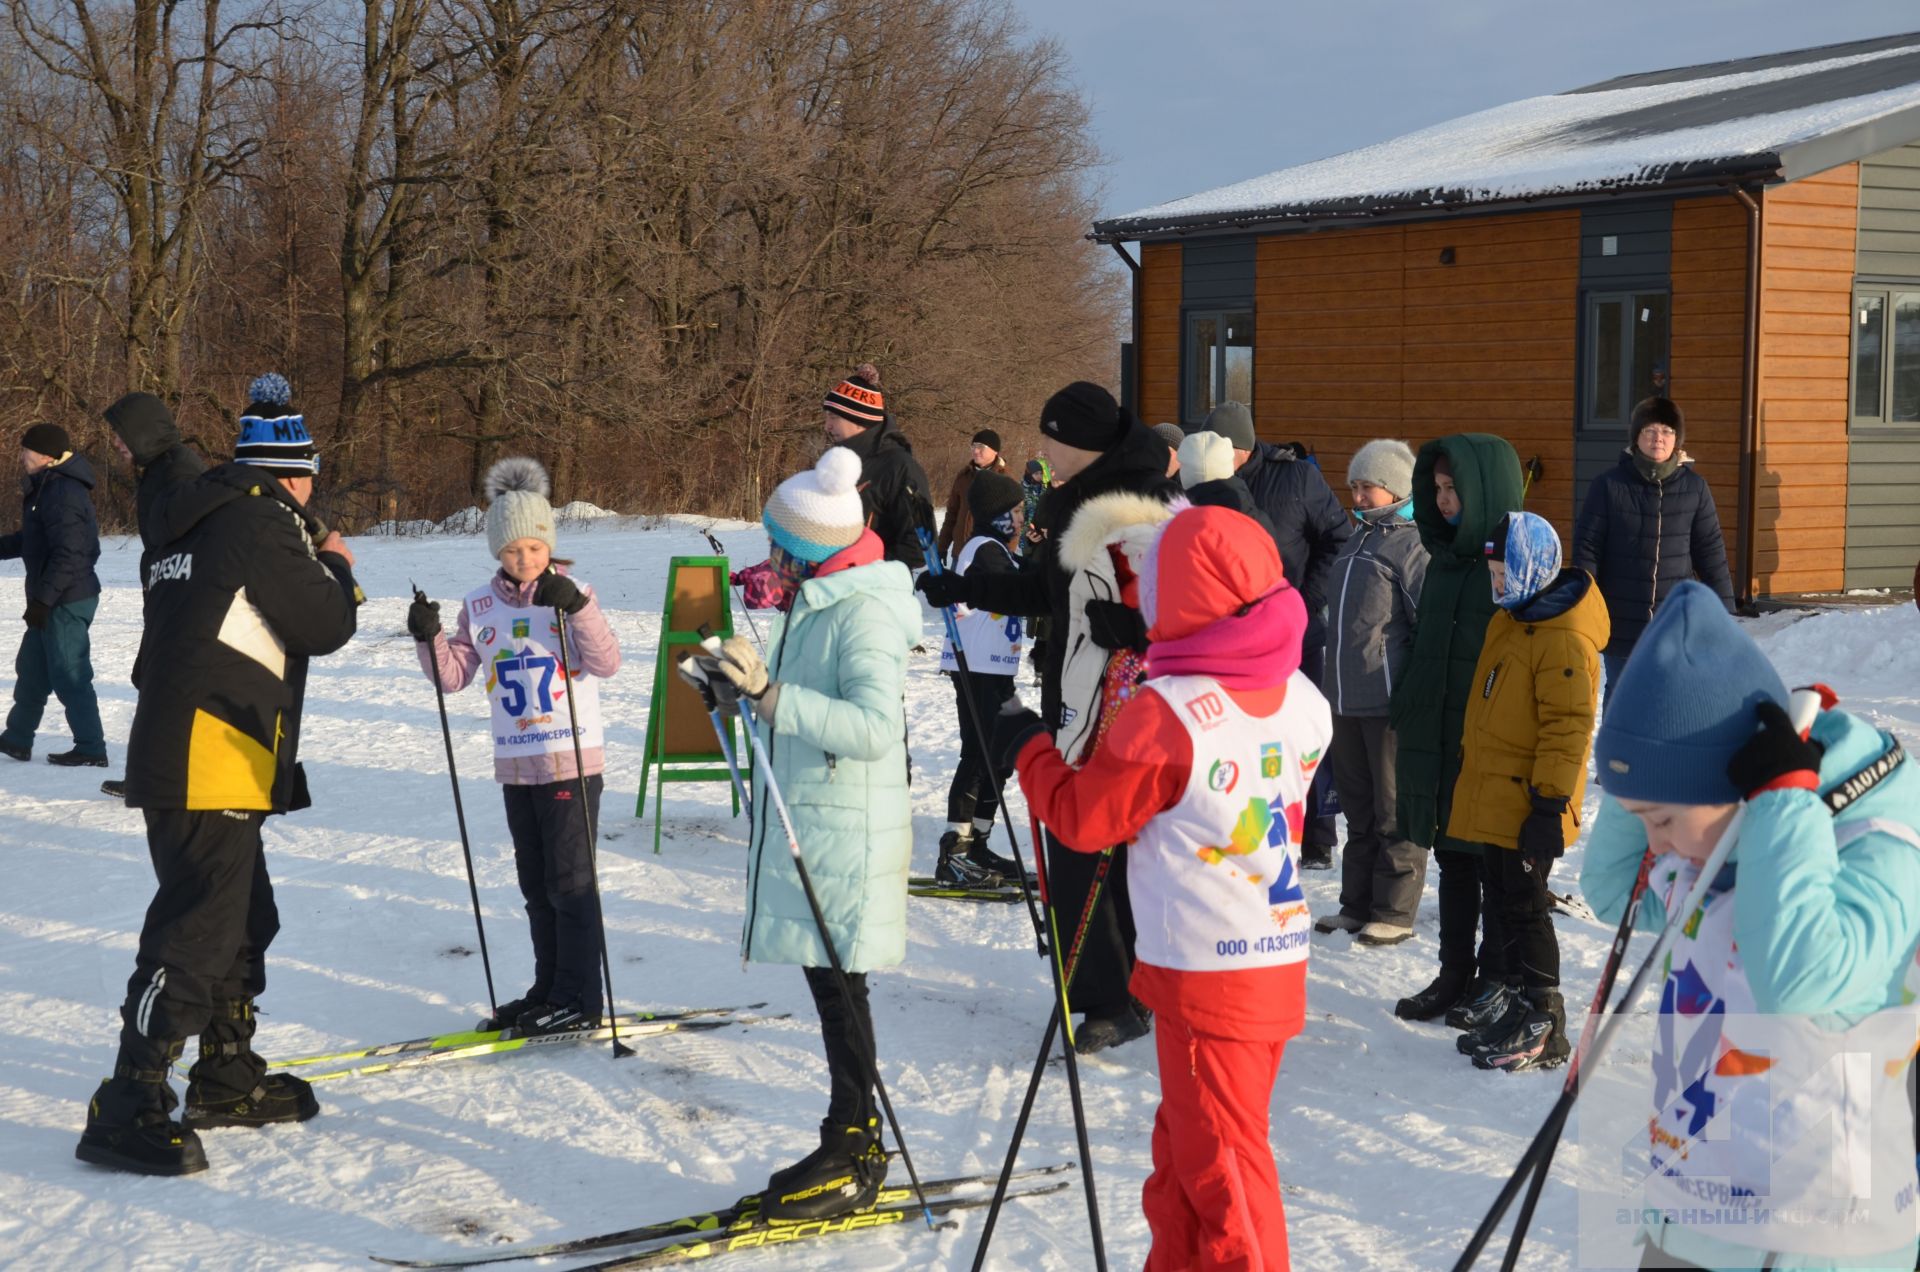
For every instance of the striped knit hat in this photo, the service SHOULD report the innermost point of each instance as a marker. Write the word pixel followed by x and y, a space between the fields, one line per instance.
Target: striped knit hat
pixel 273 435
pixel 815 514
pixel 858 398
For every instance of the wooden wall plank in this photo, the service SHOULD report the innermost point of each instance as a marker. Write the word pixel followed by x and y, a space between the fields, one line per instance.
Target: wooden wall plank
pixel 1160 266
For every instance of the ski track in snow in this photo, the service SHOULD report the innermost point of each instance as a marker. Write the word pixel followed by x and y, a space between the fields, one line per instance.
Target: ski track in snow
pixel 1390 1145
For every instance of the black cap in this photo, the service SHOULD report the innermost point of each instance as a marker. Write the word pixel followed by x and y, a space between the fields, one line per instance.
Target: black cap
pixel 988 438
pixel 990 495
pixel 46 439
pixel 1084 416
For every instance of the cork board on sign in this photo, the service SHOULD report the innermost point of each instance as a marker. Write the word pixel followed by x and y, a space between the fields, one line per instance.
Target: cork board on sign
pixel 681 746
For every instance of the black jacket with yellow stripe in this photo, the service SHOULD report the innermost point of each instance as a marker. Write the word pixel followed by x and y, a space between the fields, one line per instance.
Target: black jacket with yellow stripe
pixel 237 601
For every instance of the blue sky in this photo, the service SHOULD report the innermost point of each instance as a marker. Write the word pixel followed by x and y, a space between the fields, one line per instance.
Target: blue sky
pixel 1191 95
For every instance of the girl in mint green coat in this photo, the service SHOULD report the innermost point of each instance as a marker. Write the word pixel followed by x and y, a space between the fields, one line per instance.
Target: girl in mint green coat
pixel 832 719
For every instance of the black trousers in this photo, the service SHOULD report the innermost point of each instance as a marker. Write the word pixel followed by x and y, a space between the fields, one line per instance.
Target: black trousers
pixel 972 795
pixel 1462 890
pixel 1381 872
pixel 1099 984
pixel 846 1029
pixel 1320 834
pixel 551 855
pixel 1517 901
pixel 207 930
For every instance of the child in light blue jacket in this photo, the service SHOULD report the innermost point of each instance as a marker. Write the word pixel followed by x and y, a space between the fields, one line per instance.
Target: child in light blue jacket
pixel 1799 965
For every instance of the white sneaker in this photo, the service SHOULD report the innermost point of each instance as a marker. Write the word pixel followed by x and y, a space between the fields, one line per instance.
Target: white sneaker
pixel 1336 922
pixel 1383 934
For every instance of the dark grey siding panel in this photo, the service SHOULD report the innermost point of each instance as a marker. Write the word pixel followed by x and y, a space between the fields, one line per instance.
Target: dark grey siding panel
pixel 1643 241
pixel 1216 273
pixel 1889 236
pixel 1883 511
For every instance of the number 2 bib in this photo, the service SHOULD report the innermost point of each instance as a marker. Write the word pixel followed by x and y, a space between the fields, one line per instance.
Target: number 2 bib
pixel 518 647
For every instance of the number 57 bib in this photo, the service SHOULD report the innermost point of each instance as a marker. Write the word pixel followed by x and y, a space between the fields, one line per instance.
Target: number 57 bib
pixel 519 655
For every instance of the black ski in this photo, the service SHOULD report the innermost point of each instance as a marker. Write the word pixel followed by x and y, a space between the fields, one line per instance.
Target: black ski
pixel 716 1221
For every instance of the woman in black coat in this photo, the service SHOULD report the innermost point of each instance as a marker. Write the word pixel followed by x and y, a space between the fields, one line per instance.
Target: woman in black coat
pixel 1648 523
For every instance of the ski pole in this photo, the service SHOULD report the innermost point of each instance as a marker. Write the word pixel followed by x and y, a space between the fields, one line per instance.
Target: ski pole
pixel 620 1049
pixel 719 549
pixel 984 742
pixel 1803 706
pixel 460 815
pixel 711 643
pixel 866 1039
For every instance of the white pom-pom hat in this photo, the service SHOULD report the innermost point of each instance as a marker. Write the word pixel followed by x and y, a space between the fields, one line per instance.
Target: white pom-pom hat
pixel 517 508
pixel 814 514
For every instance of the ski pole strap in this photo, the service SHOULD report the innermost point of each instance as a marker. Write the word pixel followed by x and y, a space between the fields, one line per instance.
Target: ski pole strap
pixel 1866 779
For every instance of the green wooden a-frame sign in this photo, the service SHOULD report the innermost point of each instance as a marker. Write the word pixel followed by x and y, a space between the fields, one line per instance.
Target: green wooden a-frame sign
pixel 680 741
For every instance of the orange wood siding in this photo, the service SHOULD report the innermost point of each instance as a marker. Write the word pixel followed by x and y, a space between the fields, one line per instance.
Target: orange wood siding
pixel 1709 274
pixel 1159 354
pixel 1806 273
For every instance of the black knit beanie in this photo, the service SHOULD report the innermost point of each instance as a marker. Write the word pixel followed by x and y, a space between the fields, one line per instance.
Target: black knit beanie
pixel 1084 416
pixel 989 439
pixel 47 439
pixel 992 494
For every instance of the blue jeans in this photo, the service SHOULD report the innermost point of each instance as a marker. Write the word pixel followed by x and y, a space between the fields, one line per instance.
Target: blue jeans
pixel 55 660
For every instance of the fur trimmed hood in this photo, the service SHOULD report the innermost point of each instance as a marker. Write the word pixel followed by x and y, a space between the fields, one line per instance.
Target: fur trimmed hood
pixel 1120 518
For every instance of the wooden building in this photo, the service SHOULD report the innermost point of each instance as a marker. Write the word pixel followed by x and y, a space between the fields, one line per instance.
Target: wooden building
pixel 1745 232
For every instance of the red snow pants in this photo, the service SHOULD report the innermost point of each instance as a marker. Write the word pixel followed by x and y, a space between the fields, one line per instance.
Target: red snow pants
pixel 1213 1200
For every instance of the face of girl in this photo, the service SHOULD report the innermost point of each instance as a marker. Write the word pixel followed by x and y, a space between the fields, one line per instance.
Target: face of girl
pixel 525 560
pixel 1367 495
pixel 1445 497
pixel 1691 830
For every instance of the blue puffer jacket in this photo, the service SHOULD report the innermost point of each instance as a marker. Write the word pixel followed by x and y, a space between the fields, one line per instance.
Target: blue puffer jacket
pixel 839 753
pixel 59 538
pixel 1821 930
pixel 1641 537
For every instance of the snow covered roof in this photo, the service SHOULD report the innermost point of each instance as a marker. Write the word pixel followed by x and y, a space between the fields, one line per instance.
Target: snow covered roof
pixel 1778 117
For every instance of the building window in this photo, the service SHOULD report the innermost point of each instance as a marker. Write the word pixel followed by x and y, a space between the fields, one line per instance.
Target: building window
pixel 1886 356
pixel 1219 361
pixel 1626 355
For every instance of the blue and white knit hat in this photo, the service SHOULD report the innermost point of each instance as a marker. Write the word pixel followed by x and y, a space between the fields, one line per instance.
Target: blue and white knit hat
pixel 272 435
pixel 814 514
pixel 1529 547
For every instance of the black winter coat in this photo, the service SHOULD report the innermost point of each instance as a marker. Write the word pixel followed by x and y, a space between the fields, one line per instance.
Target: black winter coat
pixel 1231 492
pixel 1308 524
pixel 893 491
pixel 1639 538
pixel 1138 464
pixel 237 602
pixel 146 426
pixel 59 537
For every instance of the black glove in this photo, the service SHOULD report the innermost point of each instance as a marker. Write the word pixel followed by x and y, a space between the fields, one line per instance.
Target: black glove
pixel 1777 751
pixel 557 591
pixel 1116 626
pixel 943 590
pixel 1543 834
pixel 423 618
pixel 36 614
pixel 1013 728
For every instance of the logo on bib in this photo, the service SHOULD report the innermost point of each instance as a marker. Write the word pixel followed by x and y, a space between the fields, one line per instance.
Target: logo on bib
pixel 1207 709
pixel 486 635
pixel 1223 776
pixel 1270 758
pixel 521 629
pixel 1309 762
pixel 481 604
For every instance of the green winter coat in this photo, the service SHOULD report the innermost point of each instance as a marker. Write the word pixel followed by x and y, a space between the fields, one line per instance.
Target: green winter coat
pixel 1429 706
pixel 839 753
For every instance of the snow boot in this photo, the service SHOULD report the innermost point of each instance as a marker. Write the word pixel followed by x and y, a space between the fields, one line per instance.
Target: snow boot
pixel 12 752
pixel 840 1177
pixel 116 787
pixel 77 758
pixel 553 1018
pixel 1485 1002
pixel 1539 1041
pixel 957 867
pixel 1377 933
pixel 229 1084
pixel 1434 1001
pixel 1110 1029
pixel 507 1015
pixel 1316 858
pixel 130 1125
pixel 1337 922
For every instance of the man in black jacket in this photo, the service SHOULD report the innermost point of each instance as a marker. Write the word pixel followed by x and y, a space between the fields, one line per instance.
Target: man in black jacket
pixel 145 436
pixel 59 542
pixel 1308 527
pixel 1094 448
pixel 893 487
pixel 247 587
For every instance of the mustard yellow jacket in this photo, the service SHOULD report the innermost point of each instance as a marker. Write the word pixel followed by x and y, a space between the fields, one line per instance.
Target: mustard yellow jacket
pixel 1530 717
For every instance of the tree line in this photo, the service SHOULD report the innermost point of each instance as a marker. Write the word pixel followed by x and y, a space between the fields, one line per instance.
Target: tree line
pixel 635 238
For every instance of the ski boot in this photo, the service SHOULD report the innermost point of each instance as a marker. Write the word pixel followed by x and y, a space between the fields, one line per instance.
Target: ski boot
pixel 130 1122
pixel 1539 1041
pixel 987 859
pixel 1486 1000
pixel 1434 1001
pixel 1110 1029
pixel 507 1015
pixel 957 867
pixel 229 1084
pixel 1481 1038
pixel 840 1177
pixel 554 1018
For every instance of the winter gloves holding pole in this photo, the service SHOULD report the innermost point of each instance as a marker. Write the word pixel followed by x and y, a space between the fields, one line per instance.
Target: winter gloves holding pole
pixel 554 591
pixel 733 671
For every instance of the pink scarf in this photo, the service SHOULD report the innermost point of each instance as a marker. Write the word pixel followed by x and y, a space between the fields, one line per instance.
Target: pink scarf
pixel 1259 649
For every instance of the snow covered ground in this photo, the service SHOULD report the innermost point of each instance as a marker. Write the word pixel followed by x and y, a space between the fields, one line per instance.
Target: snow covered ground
pixel 1390 1144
